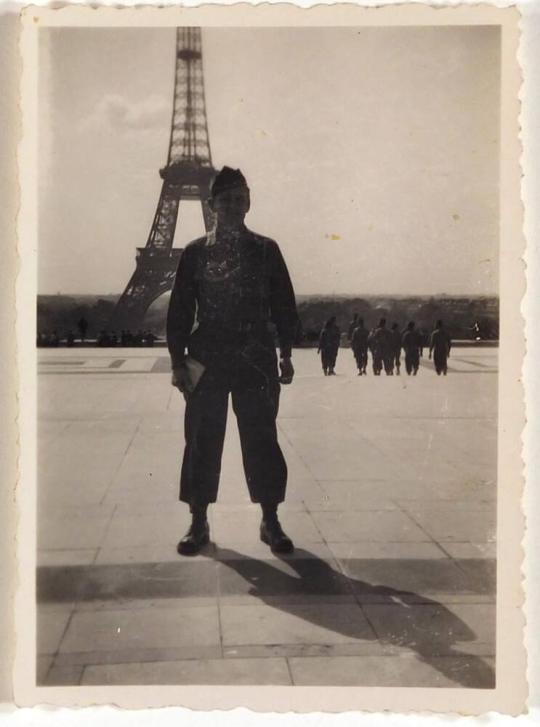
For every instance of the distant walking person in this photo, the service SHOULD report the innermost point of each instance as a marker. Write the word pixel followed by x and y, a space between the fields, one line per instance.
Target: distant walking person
pixel 412 345
pixel 396 348
pixel 329 345
pixel 82 325
pixel 359 345
pixel 476 331
pixel 380 343
pixel 422 339
pixel 352 325
pixel 440 345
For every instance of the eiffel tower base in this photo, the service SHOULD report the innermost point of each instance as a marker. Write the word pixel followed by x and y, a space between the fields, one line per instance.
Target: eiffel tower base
pixel 153 276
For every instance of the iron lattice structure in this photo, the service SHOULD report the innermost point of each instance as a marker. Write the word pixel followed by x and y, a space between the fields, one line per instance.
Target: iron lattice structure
pixel 187 175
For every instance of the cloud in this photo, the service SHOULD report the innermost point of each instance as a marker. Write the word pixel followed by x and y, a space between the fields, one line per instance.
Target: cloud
pixel 118 113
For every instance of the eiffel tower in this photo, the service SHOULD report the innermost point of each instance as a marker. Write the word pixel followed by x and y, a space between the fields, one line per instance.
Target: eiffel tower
pixel 187 174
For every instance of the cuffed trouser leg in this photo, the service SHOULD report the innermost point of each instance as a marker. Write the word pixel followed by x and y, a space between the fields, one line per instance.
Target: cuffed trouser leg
pixel 326 359
pixel 408 363
pixel 439 359
pixel 412 361
pixel 204 426
pixel 363 359
pixel 256 407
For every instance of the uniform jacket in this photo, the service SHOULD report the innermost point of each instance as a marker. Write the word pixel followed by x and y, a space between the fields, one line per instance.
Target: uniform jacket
pixel 381 341
pixel 440 341
pixel 330 338
pixel 225 287
pixel 411 340
pixel 359 340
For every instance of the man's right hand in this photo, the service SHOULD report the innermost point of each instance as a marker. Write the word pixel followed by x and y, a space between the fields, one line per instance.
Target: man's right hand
pixel 181 379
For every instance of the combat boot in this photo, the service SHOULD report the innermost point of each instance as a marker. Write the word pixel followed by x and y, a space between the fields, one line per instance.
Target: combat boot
pixel 198 534
pixel 272 533
pixel 196 538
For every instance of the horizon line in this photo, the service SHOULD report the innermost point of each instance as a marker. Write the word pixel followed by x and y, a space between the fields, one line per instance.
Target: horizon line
pixel 306 295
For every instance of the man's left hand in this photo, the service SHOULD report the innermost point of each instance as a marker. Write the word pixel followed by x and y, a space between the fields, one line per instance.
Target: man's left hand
pixel 287 371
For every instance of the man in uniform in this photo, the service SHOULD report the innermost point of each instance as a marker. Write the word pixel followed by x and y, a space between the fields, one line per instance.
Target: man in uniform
pixel 396 348
pixel 412 345
pixel 352 325
pixel 233 284
pixel 359 345
pixel 440 345
pixel 82 325
pixel 380 343
pixel 329 341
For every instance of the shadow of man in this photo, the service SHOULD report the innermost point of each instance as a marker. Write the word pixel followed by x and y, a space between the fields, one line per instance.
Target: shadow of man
pixel 413 622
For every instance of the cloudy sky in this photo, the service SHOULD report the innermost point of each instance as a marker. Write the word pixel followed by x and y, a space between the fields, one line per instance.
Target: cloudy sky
pixel 371 153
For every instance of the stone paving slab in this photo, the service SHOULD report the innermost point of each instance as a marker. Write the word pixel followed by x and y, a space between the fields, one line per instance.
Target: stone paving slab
pixel 416 576
pixel 391 504
pixel 376 550
pixel 134 655
pixel 127 581
pixel 433 629
pixel 66 557
pixel 44 663
pixel 63 676
pixel 139 530
pixel 116 630
pixel 135 604
pixel 204 671
pixel 383 526
pixel 77 530
pixel 473 525
pixel 51 628
pixel 392 671
pixel 240 526
pixel 249 550
pixel 361 647
pixel 318 623
pixel 467 550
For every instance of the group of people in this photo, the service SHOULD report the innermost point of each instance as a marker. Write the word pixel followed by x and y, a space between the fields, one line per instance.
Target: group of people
pixel 126 338
pixel 104 339
pixel 44 338
pixel 385 345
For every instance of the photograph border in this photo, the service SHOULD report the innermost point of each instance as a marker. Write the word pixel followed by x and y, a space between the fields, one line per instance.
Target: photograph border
pixel 510 693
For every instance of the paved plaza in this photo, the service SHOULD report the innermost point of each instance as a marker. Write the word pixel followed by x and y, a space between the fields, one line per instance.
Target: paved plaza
pixel 391 505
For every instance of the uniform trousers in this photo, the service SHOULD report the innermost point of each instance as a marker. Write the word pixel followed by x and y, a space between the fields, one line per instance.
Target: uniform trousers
pixel 361 356
pixel 379 361
pixel 412 360
pixel 328 357
pixel 440 361
pixel 249 373
pixel 388 361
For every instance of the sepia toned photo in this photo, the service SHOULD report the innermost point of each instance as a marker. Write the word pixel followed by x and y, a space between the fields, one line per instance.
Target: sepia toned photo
pixel 269 313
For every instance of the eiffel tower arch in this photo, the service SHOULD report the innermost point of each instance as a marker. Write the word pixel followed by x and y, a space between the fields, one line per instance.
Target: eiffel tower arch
pixel 187 175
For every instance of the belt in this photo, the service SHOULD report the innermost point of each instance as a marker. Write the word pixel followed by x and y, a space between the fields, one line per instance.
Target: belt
pixel 236 327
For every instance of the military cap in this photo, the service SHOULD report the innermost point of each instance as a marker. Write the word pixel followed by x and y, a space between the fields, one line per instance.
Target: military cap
pixel 227 178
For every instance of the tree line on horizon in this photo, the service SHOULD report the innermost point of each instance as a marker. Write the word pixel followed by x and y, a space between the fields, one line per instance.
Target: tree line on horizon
pixel 61 313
